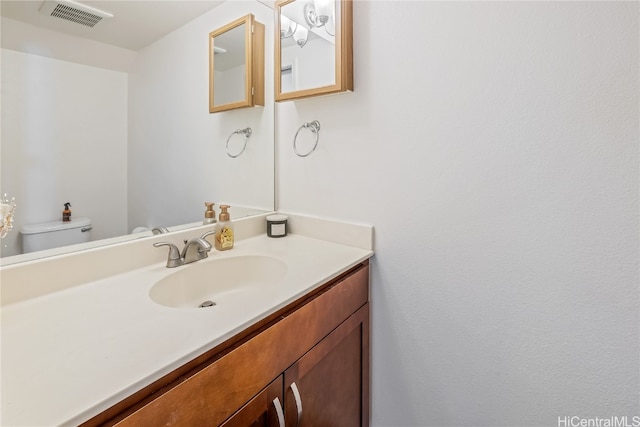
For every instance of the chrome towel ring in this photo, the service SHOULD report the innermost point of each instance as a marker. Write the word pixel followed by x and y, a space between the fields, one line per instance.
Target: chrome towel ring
pixel 314 127
pixel 247 133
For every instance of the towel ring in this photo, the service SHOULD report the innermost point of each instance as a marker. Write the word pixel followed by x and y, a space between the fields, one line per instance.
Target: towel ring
pixel 314 127
pixel 247 133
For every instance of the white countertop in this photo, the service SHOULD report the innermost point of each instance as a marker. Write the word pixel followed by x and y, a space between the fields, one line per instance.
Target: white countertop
pixel 70 354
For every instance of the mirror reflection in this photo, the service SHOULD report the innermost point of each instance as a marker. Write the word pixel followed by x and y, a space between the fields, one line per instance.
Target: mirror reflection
pixel 314 48
pixel 307 33
pixel 229 65
pixel 128 142
pixel 236 65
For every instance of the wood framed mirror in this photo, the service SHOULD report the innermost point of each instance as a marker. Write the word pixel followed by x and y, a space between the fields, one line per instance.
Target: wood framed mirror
pixel 236 65
pixel 314 48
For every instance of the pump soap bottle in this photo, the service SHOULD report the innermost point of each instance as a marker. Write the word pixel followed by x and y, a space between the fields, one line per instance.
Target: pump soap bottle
pixel 209 214
pixel 66 213
pixel 224 230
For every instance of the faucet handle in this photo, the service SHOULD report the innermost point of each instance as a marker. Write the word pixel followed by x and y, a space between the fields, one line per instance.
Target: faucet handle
pixel 174 259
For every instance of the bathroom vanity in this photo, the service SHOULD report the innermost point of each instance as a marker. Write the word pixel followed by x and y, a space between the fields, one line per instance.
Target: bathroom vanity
pixel 306 364
pixel 112 349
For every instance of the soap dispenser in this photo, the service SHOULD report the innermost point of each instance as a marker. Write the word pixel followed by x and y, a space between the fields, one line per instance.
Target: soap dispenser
pixel 209 214
pixel 224 230
pixel 66 213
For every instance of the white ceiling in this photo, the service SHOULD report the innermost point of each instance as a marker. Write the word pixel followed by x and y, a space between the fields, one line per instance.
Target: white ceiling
pixel 136 23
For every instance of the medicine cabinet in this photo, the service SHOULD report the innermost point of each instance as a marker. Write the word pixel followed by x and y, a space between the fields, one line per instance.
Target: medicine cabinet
pixel 236 65
pixel 314 48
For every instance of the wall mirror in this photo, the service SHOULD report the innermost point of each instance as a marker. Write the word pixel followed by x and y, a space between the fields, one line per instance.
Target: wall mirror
pixel 121 129
pixel 236 65
pixel 314 49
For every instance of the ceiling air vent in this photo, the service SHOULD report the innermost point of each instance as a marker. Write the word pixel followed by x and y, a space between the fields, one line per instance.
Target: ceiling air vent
pixel 75 12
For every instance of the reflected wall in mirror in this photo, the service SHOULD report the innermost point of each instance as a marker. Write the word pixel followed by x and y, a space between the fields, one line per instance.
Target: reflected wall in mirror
pixel 314 48
pixel 123 133
pixel 236 65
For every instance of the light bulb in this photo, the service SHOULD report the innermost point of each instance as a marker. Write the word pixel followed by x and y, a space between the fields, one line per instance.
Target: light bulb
pixel 301 35
pixel 324 10
pixel 286 27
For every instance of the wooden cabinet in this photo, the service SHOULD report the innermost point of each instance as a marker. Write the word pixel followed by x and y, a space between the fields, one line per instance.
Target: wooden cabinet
pixel 311 357
pixel 326 386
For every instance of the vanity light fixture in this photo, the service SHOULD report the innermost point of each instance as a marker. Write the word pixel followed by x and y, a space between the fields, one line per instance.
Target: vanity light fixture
pixel 318 13
pixel 290 28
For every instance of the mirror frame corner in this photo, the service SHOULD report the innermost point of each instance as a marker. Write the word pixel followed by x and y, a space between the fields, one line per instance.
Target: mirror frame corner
pixel 343 55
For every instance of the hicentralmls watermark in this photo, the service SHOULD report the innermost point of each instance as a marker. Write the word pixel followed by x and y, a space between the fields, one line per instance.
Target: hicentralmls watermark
pixel 614 421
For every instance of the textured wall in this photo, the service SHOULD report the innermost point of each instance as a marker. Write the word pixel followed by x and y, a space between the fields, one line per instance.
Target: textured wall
pixel 495 148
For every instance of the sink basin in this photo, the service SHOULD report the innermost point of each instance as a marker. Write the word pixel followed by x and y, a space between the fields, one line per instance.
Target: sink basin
pixel 218 281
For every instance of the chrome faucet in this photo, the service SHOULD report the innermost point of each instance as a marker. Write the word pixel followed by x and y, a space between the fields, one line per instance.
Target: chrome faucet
pixel 194 250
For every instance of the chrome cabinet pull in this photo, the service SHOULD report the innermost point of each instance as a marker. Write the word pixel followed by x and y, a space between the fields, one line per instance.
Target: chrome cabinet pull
pixel 278 406
pixel 296 396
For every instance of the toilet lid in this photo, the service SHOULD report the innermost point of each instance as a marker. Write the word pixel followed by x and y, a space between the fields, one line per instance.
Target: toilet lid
pixel 47 227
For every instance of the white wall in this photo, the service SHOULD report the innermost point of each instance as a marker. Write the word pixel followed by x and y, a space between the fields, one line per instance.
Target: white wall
pixel 170 124
pixel 64 136
pixel 494 145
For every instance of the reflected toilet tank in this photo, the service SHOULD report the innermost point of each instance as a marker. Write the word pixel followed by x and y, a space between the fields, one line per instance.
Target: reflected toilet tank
pixel 53 234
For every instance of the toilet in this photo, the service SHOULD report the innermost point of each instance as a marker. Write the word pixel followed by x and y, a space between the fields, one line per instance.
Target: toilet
pixel 53 234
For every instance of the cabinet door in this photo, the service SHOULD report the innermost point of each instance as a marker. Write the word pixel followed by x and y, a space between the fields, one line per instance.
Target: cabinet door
pixel 329 386
pixel 263 410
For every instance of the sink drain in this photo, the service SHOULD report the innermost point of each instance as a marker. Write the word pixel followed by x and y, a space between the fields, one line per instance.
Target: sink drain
pixel 207 304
